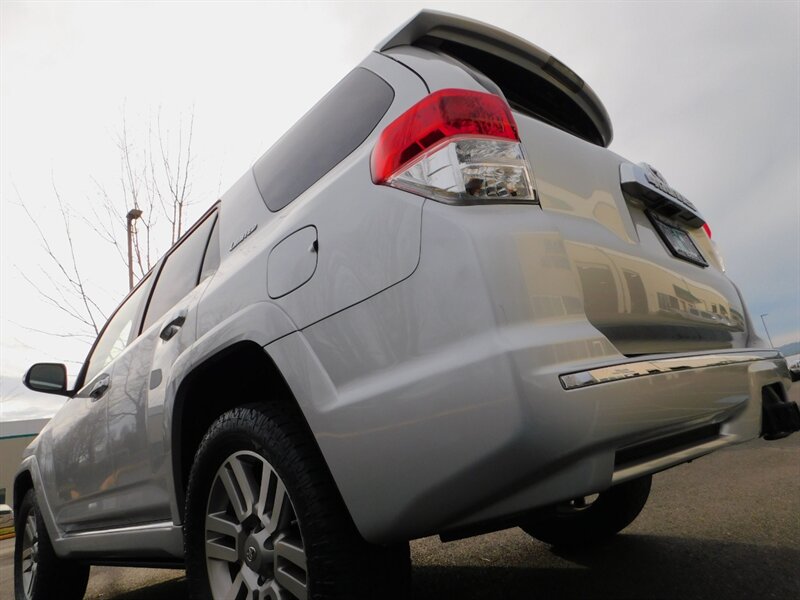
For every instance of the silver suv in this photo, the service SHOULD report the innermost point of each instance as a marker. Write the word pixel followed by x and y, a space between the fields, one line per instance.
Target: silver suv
pixel 438 305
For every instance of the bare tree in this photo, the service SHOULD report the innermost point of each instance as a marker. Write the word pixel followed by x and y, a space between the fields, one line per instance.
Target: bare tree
pixel 156 181
pixel 67 291
pixel 155 177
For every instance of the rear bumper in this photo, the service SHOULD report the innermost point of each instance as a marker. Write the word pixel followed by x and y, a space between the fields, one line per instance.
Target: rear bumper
pixel 730 386
pixel 439 404
pixel 584 440
pixel 482 430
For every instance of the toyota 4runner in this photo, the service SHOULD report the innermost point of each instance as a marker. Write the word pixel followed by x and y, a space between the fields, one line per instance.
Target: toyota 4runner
pixel 438 305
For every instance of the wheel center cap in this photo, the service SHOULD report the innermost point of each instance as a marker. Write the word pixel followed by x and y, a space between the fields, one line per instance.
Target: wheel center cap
pixel 253 554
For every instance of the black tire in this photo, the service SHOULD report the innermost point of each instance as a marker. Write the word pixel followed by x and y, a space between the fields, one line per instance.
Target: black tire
pixel 339 564
pixel 53 577
pixel 571 526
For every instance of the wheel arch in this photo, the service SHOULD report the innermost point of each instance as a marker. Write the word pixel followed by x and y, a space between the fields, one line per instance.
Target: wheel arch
pixel 29 477
pixel 240 374
pixel 23 481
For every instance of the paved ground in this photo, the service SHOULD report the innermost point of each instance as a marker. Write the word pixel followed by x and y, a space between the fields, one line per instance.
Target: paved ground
pixel 726 526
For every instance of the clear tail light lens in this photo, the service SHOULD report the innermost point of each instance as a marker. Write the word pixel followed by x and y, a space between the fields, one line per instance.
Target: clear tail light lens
pixel 455 146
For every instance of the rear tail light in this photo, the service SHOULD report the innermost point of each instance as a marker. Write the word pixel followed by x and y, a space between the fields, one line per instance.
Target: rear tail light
pixel 456 146
pixel 714 247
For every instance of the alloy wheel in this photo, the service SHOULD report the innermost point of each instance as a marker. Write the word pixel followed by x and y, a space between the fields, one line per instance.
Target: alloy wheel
pixel 253 546
pixel 30 554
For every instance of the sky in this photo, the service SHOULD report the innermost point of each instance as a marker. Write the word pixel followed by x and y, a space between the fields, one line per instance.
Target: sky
pixel 708 93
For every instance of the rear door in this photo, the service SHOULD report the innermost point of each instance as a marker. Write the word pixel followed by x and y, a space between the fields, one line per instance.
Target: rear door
pixel 140 490
pixel 636 288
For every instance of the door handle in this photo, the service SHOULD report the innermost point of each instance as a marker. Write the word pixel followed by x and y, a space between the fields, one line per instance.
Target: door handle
pixel 173 325
pixel 100 387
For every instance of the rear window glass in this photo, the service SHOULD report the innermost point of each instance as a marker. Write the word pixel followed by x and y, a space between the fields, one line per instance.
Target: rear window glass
pixel 180 273
pixel 211 258
pixel 529 93
pixel 331 130
pixel 117 333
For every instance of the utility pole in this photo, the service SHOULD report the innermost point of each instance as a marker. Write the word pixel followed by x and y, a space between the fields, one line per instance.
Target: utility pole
pixel 767 330
pixel 132 215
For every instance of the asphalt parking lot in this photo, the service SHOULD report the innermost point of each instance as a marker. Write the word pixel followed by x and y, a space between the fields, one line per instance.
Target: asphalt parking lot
pixel 725 526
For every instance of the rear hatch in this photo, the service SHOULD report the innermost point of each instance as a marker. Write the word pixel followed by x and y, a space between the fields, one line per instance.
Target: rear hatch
pixel 649 277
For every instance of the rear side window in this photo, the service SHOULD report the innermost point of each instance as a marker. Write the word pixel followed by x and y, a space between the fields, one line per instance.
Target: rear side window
pixel 211 259
pixel 180 273
pixel 118 332
pixel 331 130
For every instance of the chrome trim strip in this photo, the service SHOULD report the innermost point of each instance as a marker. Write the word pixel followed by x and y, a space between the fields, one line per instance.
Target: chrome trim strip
pixel 161 525
pixel 642 368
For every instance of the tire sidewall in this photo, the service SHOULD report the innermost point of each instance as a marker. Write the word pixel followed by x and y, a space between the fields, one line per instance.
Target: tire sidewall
pixel 27 506
pixel 614 509
pixel 55 577
pixel 340 564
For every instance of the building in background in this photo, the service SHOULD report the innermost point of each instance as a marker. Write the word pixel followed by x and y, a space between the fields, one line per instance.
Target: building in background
pixel 23 414
pixel 14 438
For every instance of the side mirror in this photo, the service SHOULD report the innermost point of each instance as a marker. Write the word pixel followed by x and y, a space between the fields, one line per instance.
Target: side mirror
pixel 50 378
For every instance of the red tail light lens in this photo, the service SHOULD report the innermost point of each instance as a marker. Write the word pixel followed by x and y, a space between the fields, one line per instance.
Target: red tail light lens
pixel 458 146
pixel 714 247
pixel 443 114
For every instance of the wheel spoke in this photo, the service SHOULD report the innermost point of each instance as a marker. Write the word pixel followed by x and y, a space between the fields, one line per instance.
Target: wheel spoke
pixel 272 591
pixel 217 523
pixel 244 479
pixel 277 514
pixel 220 552
pixel 236 585
pixel 250 582
pixel 28 555
pixel 30 528
pixel 268 479
pixel 292 584
pixel 241 497
pixel 291 551
pixel 259 558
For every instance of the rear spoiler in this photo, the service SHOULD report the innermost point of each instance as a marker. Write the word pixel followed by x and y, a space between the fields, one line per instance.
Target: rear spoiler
pixel 431 27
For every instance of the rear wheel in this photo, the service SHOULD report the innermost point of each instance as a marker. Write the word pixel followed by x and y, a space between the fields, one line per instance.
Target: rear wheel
pixel 264 519
pixel 38 573
pixel 590 520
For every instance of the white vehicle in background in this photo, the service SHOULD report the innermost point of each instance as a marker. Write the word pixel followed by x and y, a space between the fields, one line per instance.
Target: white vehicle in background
pixel 438 305
pixel 794 369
